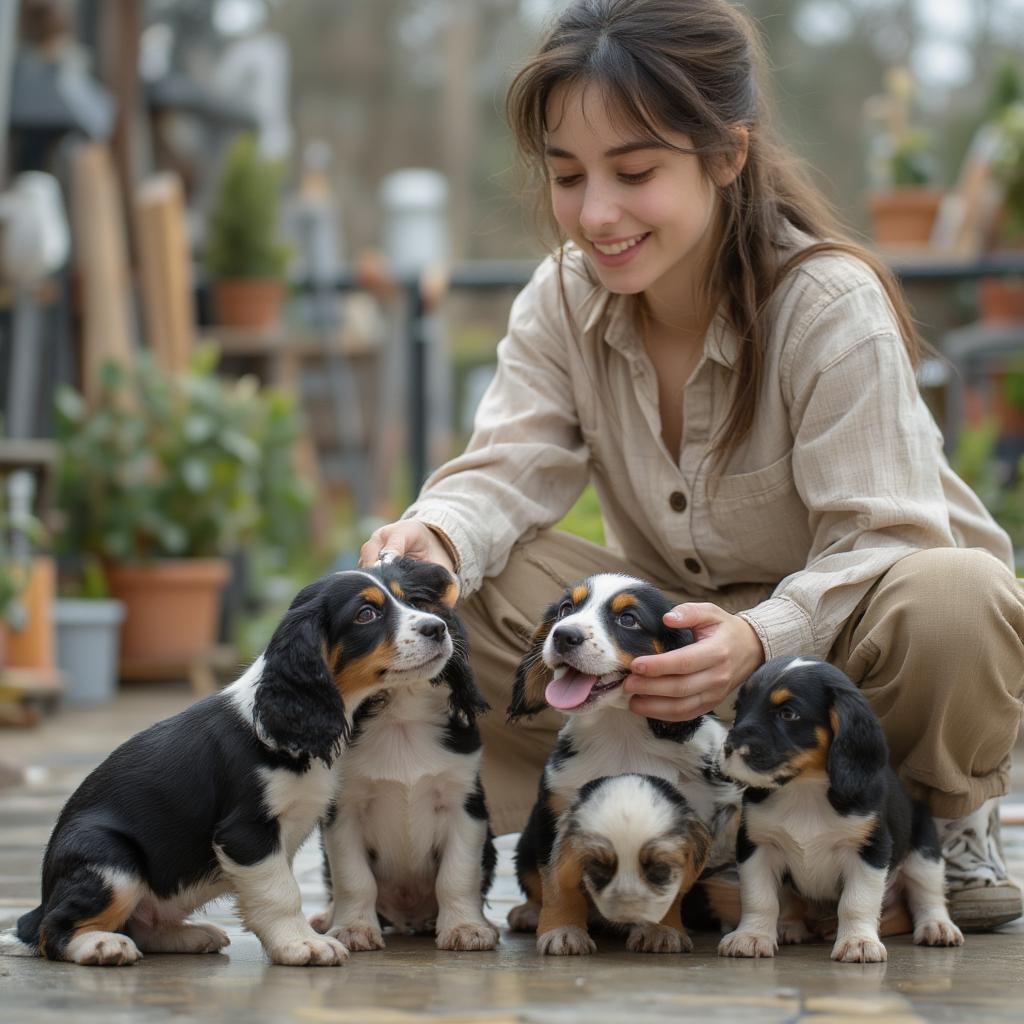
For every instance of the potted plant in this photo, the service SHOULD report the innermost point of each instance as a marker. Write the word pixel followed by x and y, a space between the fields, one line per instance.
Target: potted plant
pixel 905 200
pixel 245 257
pixel 160 480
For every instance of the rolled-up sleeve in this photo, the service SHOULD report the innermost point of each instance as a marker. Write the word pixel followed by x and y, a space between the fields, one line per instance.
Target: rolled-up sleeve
pixel 867 463
pixel 526 462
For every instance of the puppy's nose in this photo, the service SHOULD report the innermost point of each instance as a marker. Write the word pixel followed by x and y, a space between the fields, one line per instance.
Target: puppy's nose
pixel 727 748
pixel 432 629
pixel 566 637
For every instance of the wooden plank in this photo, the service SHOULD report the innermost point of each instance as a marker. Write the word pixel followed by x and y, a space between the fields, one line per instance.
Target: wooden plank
pixel 166 270
pixel 101 258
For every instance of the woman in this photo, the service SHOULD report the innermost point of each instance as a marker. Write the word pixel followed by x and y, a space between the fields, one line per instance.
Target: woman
pixel 737 381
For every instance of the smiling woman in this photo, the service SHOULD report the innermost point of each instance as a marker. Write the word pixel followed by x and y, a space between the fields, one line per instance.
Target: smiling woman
pixel 736 379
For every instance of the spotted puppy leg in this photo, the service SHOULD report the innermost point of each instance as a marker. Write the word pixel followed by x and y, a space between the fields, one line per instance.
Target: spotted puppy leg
pixel 924 880
pixel 860 908
pixel 460 920
pixel 562 927
pixel 354 888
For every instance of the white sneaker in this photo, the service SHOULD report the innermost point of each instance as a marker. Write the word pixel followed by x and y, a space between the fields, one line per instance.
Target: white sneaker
pixel 981 894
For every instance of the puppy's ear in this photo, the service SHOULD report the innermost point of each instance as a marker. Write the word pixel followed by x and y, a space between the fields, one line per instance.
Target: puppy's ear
pixel 698 851
pixel 297 706
pixel 463 696
pixel 532 675
pixel 858 751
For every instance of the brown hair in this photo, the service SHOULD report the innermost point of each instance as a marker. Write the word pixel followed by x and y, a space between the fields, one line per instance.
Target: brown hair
pixel 696 67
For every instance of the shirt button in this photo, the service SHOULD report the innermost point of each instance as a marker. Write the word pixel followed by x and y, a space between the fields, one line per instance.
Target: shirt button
pixel 692 565
pixel 678 501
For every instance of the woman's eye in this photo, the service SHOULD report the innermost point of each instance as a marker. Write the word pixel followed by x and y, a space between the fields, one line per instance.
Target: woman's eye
pixel 789 715
pixel 565 180
pixel 367 614
pixel 564 608
pixel 635 179
pixel 628 621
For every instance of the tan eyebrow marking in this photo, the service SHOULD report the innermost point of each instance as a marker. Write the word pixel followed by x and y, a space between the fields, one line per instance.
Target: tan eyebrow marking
pixel 579 595
pixel 780 696
pixel 396 588
pixel 374 595
pixel 622 601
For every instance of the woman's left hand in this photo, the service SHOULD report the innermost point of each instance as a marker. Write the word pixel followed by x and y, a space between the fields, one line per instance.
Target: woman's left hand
pixel 682 684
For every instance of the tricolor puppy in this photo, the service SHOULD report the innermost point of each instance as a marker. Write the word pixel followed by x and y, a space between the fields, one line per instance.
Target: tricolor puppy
pixel 581 652
pixel 825 814
pixel 625 854
pixel 218 798
pixel 408 843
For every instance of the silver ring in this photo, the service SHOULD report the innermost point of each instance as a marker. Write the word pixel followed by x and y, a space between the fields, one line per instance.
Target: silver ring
pixel 386 556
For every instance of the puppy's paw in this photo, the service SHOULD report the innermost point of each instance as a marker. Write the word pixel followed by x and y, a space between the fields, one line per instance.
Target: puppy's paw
pixel 524 918
pixel 359 938
pixel 203 937
pixel 859 949
pixel 568 941
pixel 793 931
pixel 753 944
pixel 937 931
pixel 319 951
pixel 658 938
pixel 321 923
pixel 103 949
pixel 468 936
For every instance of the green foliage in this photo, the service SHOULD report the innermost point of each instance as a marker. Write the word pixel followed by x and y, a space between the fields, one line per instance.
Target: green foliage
pixel 184 466
pixel 584 518
pixel 1008 168
pixel 912 161
pixel 974 460
pixel 243 238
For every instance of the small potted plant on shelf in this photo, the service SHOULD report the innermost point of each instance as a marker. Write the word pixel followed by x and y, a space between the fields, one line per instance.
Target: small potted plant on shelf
pixel 1002 298
pixel 245 256
pixel 904 199
pixel 161 480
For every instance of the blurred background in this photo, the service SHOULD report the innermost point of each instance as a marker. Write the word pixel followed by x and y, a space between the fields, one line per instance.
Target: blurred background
pixel 256 255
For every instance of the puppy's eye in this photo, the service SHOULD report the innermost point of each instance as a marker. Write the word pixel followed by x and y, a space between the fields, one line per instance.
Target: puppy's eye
pixel 788 715
pixel 367 614
pixel 564 608
pixel 628 620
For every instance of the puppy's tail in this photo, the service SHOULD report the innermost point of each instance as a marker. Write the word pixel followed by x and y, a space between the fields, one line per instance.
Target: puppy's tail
pixel 23 938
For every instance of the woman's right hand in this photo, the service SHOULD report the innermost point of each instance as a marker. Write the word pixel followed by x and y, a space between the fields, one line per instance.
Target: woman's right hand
pixel 407 537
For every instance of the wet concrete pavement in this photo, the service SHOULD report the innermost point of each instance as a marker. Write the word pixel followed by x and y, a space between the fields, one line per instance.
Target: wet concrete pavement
pixel 411 981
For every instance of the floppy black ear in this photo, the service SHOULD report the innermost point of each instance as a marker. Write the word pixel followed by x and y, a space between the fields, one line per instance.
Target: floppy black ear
pixel 858 753
pixel 463 696
pixel 297 706
pixel 532 675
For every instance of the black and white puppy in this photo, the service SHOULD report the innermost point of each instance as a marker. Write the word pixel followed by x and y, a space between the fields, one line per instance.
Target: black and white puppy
pixel 218 798
pixel 408 843
pixel 624 856
pixel 581 652
pixel 825 815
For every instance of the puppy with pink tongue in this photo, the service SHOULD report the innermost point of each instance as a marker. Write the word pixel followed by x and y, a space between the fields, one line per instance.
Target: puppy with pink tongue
pixel 581 652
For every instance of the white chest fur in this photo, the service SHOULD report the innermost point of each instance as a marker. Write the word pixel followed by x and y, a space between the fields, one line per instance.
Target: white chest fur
pixel 816 845
pixel 297 801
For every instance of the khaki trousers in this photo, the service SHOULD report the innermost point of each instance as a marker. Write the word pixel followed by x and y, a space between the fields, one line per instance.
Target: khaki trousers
pixel 937 647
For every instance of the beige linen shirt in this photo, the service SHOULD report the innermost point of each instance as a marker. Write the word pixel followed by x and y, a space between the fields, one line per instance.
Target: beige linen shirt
pixel 842 474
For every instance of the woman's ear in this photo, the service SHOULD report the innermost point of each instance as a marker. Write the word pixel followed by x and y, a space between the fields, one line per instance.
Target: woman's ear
pixel 858 751
pixel 729 166
pixel 297 706
pixel 532 675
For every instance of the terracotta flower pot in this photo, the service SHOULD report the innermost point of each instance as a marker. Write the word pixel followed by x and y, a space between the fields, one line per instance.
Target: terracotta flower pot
pixel 248 301
pixel 904 216
pixel 172 607
pixel 1001 299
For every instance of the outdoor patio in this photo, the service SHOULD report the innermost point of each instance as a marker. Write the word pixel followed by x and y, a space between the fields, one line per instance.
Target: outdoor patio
pixel 411 981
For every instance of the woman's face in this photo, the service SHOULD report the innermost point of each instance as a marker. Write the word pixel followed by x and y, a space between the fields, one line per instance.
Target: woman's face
pixel 643 214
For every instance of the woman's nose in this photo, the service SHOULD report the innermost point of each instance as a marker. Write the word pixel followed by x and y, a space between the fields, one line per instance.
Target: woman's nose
pixel 599 211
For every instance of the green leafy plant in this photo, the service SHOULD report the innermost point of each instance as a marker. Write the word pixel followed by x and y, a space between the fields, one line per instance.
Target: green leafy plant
pixel 176 466
pixel 1008 169
pixel 1000 489
pixel 243 238
pixel 912 161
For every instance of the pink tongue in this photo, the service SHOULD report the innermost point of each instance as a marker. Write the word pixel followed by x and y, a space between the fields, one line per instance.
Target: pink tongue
pixel 570 691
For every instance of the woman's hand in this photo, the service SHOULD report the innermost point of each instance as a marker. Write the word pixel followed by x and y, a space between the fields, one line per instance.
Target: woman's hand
pixel 407 537
pixel 682 684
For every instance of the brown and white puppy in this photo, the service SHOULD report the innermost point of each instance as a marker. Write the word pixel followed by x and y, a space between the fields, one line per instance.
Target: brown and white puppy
pixel 581 652
pixel 825 817
pixel 624 856
pixel 217 799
